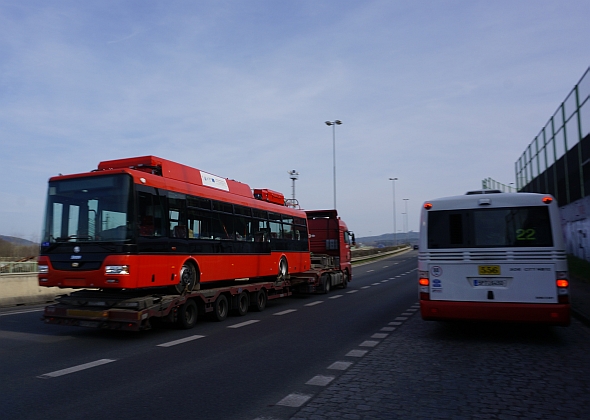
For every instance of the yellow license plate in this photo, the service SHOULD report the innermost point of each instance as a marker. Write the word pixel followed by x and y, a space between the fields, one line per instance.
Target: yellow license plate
pixel 488 270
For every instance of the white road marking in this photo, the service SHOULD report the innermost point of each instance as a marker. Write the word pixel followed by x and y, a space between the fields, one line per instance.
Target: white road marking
pixel 340 365
pixel 387 329
pixel 180 341
pixel 335 296
pixel 407 314
pixel 288 311
pixel 379 335
pixel 357 353
pixel 352 291
pixel 401 318
pixel 365 287
pixel 315 303
pixel 384 281
pixel 369 343
pixel 294 400
pixel 370 271
pixel 75 368
pixel 395 323
pixel 24 311
pixel 243 324
pixel 320 380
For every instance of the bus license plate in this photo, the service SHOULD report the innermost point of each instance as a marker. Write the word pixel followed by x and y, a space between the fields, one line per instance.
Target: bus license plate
pixel 488 270
pixel 490 282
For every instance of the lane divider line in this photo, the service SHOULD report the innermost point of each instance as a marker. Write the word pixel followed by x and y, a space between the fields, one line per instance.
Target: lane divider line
pixel 317 302
pixel 356 353
pixel 379 335
pixel 180 341
pixel 288 311
pixel 75 368
pixel 335 296
pixel 340 365
pixel 369 343
pixel 295 400
pixel 352 291
pixel 320 380
pixel 243 324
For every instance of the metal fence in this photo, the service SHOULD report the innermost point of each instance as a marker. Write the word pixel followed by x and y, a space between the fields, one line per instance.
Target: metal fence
pixel 8 267
pixel 490 184
pixel 557 161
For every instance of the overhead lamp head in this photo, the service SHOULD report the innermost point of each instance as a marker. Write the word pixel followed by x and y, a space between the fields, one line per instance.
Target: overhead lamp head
pixel 338 122
pixel 328 122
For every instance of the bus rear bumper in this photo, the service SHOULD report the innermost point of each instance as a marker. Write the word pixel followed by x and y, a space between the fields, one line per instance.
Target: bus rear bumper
pixel 552 314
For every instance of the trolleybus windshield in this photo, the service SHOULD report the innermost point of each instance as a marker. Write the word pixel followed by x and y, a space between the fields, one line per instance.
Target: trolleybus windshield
pixel 97 208
pixel 490 228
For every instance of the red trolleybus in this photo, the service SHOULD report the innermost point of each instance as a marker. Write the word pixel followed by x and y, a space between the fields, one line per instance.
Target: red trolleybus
pixel 493 256
pixel 149 222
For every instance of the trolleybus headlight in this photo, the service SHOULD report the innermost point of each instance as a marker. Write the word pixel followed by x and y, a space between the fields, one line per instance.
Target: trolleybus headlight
pixel 43 269
pixel 117 269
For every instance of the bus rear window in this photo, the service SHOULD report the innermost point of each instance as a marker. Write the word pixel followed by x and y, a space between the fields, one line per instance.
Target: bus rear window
pixel 490 228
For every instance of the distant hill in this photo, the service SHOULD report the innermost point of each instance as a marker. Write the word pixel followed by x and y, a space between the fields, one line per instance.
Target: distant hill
pixel 387 239
pixel 17 241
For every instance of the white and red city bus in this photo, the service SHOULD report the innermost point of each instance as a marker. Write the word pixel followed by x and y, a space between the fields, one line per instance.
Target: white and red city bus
pixel 149 222
pixel 493 256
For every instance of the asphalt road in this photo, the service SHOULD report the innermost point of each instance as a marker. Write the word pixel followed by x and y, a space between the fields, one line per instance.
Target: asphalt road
pixel 238 369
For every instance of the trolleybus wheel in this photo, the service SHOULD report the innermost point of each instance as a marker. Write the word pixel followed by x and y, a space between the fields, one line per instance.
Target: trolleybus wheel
pixel 260 300
pixel 283 269
pixel 220 308
pixel 243 301
pixel 188 314
pixel 189 279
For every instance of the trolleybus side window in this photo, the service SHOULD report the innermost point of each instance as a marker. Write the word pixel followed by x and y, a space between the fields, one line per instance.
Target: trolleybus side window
pixel 150 213
pixel 177 215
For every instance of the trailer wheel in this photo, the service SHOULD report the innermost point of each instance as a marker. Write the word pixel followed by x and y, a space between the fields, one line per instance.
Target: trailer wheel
pixel 283 269
pixel 188 314
pixel 243 302
pixel 220 308
pixel 326 283
pixel 260 300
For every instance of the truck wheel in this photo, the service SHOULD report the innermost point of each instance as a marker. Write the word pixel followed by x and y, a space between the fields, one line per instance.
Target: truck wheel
pixel 188 314
pixel 260 300
pixel 327 284
pixel 283 269
pixel 220 308
pixel 345 279
pixel 243 301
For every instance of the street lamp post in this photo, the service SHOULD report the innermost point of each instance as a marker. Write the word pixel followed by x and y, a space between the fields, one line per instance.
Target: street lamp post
pixel 293 175
pixel 406 221
pixel 394 227
pixel 334 124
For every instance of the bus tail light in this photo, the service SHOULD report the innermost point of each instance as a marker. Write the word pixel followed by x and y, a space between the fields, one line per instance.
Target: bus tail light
pixel 562 284
pixel 424 283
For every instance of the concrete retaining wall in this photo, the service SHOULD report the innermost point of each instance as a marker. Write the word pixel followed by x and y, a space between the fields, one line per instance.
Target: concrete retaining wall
pixel 23 289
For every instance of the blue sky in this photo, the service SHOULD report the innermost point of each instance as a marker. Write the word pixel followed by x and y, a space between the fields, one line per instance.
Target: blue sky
pixel 440 94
